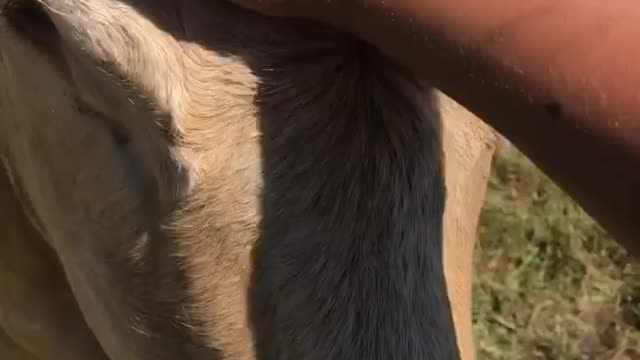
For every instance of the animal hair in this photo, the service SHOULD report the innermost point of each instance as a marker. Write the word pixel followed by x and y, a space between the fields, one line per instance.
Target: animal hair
pixel 298 141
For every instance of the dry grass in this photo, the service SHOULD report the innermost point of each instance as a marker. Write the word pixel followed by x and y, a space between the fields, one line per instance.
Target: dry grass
pixel 550 283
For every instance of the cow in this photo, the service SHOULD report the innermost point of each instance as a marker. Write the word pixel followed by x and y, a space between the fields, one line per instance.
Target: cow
pixel 190 180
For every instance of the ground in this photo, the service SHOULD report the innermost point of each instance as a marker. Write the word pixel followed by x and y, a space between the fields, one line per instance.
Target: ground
pixel 550 283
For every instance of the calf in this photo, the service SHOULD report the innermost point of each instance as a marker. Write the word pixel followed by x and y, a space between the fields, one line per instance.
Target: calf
pixel 188 180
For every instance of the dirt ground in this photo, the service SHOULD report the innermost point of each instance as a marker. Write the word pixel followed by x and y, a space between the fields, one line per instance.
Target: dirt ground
pixel 550 283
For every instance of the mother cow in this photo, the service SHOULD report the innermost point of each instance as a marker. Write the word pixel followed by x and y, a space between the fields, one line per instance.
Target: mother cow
pixel 187 180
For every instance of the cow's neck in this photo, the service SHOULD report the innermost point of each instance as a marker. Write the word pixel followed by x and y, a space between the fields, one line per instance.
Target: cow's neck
pixel 344 165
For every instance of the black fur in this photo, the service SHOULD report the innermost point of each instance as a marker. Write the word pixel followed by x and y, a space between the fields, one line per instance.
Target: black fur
pixel 349 262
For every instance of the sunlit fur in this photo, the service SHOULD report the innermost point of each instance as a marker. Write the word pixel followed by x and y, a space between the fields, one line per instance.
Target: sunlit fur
pixel 194 181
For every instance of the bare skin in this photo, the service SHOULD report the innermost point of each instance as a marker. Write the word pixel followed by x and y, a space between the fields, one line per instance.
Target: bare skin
pixel 184 188
pixel 557 78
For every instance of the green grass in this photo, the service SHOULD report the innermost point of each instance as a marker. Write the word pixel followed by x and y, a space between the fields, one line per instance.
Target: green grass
pixel 550 283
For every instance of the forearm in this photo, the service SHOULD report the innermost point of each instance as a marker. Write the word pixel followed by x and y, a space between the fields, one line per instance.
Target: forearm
pixel 559 78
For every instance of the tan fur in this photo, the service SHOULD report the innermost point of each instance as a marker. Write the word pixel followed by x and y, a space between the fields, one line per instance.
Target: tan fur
pixel 37 310
pixel 11 351
pixel 468 146
pixel 188 112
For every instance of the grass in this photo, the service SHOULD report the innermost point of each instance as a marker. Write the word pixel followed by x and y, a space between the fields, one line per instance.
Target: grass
pixel 550 283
